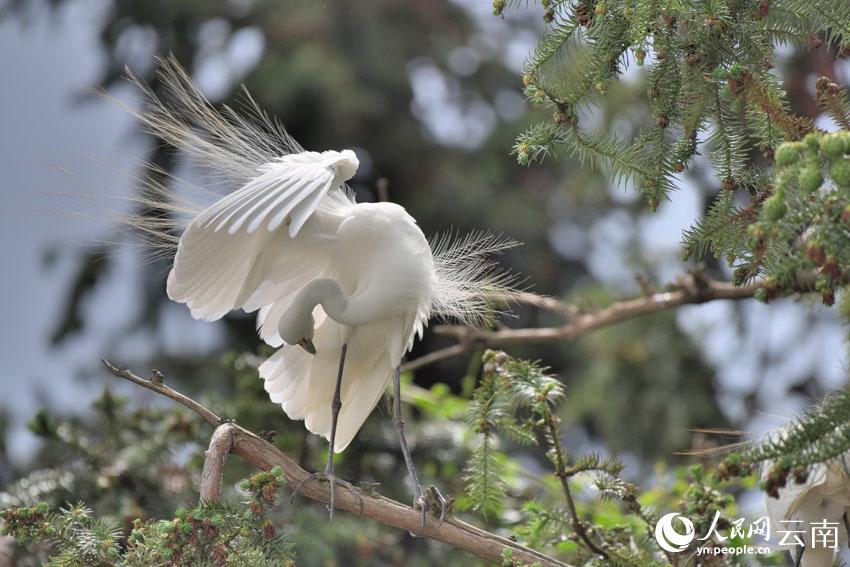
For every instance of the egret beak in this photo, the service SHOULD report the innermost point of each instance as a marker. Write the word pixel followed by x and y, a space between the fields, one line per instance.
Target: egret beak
pixel 307 345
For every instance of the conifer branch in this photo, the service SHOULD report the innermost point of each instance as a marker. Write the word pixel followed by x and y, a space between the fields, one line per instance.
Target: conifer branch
pixel 560 460
pixel 832 99
pixel 710 64
pixel 263 455
pixel 766 97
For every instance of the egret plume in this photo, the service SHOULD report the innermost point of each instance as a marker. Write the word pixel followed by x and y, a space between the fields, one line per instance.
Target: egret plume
pixel 235 144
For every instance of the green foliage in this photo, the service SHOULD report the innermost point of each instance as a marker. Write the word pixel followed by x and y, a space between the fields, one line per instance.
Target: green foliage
pixel 615 528
pixel 79 538
pixel 723 230
pixel 86 459
pixel 207 535
pixel 821 435
pixel 801 229
pixel 118 457
pixel 490 410
pixel 710 73
pixel 709 70
pixel 544 526
pixel 512 399
pixel 794 228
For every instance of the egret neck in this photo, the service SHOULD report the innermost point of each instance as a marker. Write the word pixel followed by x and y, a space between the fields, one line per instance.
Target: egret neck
pixel 327 293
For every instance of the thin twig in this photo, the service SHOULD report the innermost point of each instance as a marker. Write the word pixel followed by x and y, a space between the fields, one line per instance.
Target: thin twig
pixel 155 384
pixel 265 456
pixel 567 310
pixel 436 356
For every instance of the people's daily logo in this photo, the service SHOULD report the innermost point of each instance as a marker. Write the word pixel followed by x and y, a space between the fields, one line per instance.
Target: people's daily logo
pixel 675 533
pixel 667 535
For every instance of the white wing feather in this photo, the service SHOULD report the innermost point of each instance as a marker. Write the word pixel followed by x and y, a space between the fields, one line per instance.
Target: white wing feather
pixel 289 188
pixel 224 262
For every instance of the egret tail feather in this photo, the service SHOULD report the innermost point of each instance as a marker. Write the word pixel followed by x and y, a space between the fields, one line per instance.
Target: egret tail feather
pixel 303 384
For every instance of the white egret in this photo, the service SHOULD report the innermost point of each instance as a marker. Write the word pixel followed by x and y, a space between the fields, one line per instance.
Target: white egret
pixel 341 288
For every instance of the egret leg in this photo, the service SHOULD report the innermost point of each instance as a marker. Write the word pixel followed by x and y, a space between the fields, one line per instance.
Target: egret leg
pixel 398 423
pixel 799 559
pixel 846 521
pixel 336 405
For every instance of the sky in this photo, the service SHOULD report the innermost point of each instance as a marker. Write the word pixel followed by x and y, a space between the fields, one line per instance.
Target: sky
pixel 54 144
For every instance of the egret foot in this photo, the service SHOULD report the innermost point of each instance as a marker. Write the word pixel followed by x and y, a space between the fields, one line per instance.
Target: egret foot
pixel 333 480
pixel 432 501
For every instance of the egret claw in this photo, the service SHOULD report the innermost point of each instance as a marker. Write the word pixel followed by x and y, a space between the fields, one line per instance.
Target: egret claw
pixel 432 499
pixel 424 508
pixel 444 504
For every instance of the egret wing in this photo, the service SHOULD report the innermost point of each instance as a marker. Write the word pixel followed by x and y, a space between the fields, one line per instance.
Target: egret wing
pixel 287 189
pixel 225 262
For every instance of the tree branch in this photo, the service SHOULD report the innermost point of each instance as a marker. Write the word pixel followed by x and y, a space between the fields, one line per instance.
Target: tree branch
pixel 436 356
pixel 155 384
pixel 265 456
pixel 691 289
pixel 561 473
pixel 215 458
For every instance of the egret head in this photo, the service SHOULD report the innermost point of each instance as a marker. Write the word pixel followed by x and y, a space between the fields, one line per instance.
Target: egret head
pixel 347 166
pixel 296 328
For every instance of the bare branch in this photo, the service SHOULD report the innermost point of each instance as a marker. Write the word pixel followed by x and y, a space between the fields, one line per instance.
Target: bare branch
pixel 156 384
pixel 690 289
pixel 436 356
pixel 221 444
pixel 265 456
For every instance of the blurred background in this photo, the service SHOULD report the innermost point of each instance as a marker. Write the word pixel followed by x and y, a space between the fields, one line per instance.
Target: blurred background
pixel 429 96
